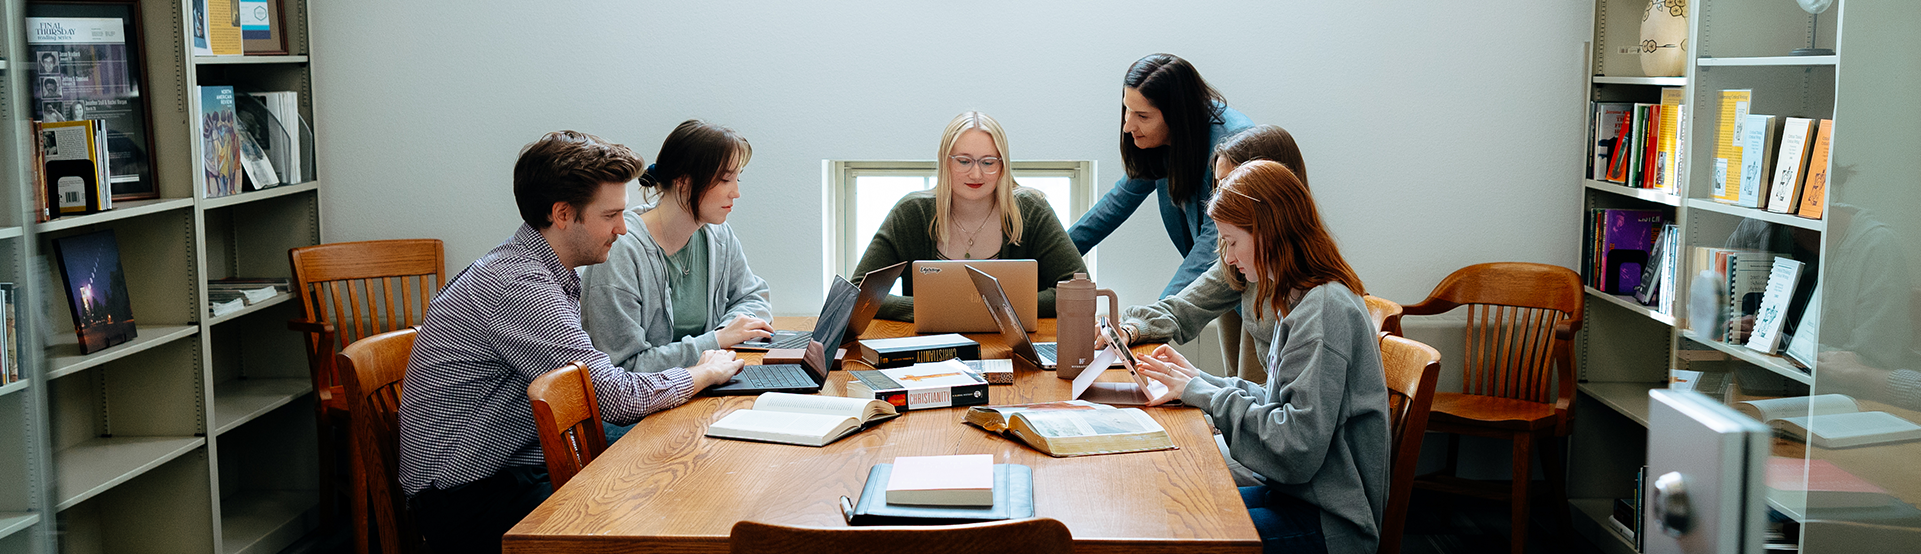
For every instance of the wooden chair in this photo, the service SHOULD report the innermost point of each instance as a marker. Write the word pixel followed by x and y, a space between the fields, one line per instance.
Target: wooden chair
pixel 349 291
pixel 1033 535
pixel 371 370
pixel 1521 322
pixel 568 416
pixel 1412 369
pixel 1385 313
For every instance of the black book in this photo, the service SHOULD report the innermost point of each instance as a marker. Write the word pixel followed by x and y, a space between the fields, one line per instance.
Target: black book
pixel 906 351
pixel 1013 499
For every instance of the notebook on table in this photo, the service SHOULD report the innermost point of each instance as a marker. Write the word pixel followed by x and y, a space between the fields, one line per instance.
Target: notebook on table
pixel 873 290
pixel 945 300
pixel 808 376
pixel 1013 499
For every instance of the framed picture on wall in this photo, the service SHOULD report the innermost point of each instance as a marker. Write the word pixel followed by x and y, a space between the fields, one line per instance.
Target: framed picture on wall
pixel 88 65
pixel 260 28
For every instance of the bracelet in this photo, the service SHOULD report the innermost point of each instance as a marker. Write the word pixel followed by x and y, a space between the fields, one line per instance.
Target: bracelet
pixel 1131 332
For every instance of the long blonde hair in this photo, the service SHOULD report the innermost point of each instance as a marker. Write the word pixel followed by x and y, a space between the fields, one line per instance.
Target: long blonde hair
pixel 1003 187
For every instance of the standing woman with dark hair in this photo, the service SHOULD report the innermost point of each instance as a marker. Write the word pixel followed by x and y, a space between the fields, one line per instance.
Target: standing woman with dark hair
pixel 1170 122
pixel 678 284
pixel 1316 431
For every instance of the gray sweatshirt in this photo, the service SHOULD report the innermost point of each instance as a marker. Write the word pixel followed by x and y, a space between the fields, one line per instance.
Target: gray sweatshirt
pixel 1318 429
pixel 1181 317
pixel 625 305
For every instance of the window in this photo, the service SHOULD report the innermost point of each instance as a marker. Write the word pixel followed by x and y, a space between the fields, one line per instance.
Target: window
pixel 864 191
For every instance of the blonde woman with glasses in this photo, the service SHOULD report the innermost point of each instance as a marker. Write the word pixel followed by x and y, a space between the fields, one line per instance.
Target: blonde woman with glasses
pixel 975 212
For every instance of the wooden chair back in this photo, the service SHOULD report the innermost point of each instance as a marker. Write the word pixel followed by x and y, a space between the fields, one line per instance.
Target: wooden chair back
pixel 352 290
pixel 568 416
pixel 371 370
pixel 1385 313
pixel 1033 535
pixel 1412 370
pixel 1521 322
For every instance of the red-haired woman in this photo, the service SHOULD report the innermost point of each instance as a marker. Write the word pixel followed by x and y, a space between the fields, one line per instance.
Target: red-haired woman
pixel 1317 429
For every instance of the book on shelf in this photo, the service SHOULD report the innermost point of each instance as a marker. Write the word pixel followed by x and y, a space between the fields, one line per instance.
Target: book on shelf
pixel 1651 150
pixel 1013 498
pixel 218 305
pixel 222 24
pixel 96 289
pixel 1657 275
pixel 247 296
pixel 220 142
pixel 1636 158
pixel 281 284
pixel 803 419
pixel 1768 319
pixel 9 366
pixel 1667 157
pixel 1790 166
pixel 920 386
pixel 1747 274
pixel 1074 428
pixel 1814 189
pixel 1620 244
pixel 1758 136
pixel 75 170
pixel 906 351
pixel 959 480
pixel 1621 156
pixel 1605 125
pixel 1829 421
pixel 1802 342
pixel 1727 145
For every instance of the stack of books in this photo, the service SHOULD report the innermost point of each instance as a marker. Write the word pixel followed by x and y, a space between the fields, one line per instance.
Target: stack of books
pixel 225 296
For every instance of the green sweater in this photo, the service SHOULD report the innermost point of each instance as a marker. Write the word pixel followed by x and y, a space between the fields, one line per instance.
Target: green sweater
pixel 903 237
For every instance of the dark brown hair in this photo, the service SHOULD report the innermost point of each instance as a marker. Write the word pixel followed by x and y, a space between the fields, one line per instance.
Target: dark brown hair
pixel 1190 107
pixel 1263 142
pixel 1293 250
pixel 699 151
pixel 568 166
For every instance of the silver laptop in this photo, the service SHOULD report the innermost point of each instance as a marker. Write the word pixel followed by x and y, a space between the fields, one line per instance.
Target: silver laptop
pixel 1041 354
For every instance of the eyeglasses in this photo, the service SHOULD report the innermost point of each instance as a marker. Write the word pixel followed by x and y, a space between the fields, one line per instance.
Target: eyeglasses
pixel 989 165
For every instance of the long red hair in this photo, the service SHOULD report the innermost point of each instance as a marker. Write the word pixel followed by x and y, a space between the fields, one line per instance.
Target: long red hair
pixel 1293 250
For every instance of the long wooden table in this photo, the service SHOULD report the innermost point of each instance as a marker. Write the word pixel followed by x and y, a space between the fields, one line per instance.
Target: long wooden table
pixel 666 488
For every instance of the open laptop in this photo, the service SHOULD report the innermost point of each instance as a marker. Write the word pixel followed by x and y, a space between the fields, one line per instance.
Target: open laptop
pixel 1138 393
pixel 945 300
pixel 807 376
pixel 1041 354
pixel 873 290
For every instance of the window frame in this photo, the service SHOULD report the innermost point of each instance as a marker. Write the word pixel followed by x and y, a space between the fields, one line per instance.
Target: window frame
pixel 842 257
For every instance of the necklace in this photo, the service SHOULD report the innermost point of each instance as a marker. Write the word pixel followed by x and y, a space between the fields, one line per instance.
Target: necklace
pixel 969 250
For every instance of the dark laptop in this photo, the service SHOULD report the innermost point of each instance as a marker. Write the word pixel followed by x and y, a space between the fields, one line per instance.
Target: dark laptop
pixel 807 376
pixel 1041 354
pixel 873 290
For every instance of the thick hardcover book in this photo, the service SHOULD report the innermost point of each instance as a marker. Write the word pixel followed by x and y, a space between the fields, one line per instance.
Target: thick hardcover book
pixel 906 351
pixel 1013 499
pixel 920 386
pixel 1814 189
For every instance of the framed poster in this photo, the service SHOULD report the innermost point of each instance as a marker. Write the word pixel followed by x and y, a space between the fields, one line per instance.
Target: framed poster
pixel 87 65
pixel 96 289
pixel 260 28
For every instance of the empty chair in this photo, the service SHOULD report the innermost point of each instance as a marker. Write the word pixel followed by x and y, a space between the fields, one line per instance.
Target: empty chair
pixel 1521 321
pixel 371 370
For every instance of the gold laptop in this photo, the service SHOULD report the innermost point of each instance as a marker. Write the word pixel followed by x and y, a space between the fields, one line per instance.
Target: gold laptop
pixel 945 300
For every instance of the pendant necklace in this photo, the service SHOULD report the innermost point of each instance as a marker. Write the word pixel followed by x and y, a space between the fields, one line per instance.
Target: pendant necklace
pixel 969 250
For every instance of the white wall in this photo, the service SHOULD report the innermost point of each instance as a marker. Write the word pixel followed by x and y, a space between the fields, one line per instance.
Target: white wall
pixel 1437 134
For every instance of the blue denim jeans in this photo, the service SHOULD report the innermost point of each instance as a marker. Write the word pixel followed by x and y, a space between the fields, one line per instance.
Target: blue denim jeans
pixel 1286 524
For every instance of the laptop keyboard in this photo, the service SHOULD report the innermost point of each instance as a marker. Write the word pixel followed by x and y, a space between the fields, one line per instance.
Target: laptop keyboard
pixel 1048 351
pixel 796 341
pixel 775 377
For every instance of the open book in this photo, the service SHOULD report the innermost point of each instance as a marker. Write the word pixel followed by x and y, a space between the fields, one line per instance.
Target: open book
pixel 801 419
pixel 1074 428
pixel 1830 421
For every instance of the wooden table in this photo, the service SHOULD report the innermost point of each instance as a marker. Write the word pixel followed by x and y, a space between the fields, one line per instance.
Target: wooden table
pixel 666 488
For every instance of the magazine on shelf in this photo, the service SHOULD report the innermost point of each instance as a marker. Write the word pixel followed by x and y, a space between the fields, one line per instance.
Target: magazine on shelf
pixel 87 65
pixel 220 142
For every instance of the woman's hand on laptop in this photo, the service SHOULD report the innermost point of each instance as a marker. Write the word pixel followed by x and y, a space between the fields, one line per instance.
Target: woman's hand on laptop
pixel 744 328
pixel 715 367
pixel 1168 368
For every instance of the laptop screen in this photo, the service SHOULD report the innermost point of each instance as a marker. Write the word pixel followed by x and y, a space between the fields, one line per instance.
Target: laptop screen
pixel 834 313
pixel 1003 313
